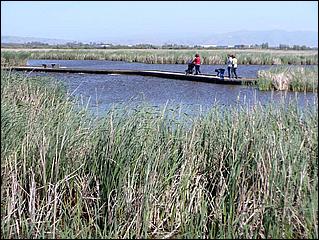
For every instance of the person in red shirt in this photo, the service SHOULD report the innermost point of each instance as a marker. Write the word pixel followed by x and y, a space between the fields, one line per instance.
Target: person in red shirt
pixel 196 62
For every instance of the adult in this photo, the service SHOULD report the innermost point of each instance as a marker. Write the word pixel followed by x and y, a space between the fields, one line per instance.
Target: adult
pixel 234 66
pixel 196 62
pixel 229 64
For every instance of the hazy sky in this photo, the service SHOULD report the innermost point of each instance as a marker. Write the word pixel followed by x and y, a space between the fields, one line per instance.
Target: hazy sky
pixel 116 20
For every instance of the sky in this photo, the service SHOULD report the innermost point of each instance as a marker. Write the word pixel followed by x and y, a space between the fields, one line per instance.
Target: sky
pixel 118 20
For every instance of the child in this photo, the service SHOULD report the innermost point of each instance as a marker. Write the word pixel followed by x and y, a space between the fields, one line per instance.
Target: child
pixel 196 61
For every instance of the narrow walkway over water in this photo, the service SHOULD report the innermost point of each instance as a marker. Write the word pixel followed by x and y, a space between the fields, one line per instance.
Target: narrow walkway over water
pixel 209 78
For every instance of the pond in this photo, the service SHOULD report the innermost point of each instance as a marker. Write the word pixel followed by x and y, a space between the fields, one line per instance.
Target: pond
pixel 101 92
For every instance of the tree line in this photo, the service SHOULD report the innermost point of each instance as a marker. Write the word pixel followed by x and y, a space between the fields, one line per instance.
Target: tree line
pixel 94 45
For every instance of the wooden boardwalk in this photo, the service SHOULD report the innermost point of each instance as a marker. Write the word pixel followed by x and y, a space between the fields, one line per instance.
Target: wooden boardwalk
pixel 210 78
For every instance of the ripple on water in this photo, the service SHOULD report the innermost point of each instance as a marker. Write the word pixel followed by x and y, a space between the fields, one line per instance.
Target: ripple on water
pixel 102 91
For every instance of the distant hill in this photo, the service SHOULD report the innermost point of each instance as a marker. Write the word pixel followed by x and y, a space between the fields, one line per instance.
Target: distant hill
pixel 274 38
pixel 21 40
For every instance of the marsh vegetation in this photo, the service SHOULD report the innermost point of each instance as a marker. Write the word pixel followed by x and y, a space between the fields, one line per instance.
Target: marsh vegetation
pixel 297 79
pixel 147 173
pixel 160 56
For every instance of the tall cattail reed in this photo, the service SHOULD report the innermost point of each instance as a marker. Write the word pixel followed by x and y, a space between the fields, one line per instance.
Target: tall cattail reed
pixel 141 172
pixel 289 78
pixel 157 56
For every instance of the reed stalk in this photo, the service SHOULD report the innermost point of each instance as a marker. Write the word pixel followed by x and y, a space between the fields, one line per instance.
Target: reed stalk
pixel 153 173
pixel 160 56
pixel 297 79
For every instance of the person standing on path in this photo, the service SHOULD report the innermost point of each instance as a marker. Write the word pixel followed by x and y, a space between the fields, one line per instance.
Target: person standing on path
pixel 229 64
pixel 196 61
pixel 234 66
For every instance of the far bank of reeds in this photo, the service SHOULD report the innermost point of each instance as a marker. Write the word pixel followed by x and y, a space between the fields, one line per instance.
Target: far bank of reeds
pixel 137 173
pixel 14 58
pixel 298 79
pixel 156 56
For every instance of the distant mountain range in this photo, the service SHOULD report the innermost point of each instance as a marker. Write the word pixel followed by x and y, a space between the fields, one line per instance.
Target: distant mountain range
pixel 21 40
pixel 273 38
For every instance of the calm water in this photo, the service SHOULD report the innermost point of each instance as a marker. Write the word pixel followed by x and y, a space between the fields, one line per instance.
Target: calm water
pixel 102 91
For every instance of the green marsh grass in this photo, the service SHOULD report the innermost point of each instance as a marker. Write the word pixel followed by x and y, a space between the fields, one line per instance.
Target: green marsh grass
pixel 161 56
pixel 298 79
pixel 136 173
pixel 12 58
